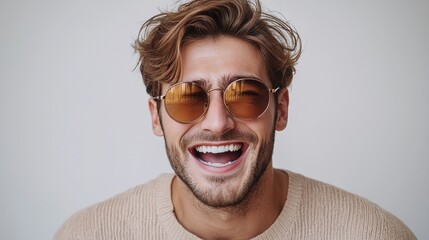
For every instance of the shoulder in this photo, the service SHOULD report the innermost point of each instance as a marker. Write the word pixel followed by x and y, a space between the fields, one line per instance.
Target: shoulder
pixel 345 214
pixel 132 209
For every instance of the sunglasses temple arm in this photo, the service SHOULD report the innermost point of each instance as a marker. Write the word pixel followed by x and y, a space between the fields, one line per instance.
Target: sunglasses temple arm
pixel 274 90
pixel 159 97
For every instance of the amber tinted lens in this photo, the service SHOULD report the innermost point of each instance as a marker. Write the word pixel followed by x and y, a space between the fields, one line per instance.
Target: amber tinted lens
pixel 247 98
pixel 186 102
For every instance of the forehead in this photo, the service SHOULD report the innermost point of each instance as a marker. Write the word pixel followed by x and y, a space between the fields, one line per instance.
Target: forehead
pixel 218 61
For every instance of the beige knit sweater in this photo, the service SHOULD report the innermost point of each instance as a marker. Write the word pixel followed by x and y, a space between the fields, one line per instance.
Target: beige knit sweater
pixel 313 210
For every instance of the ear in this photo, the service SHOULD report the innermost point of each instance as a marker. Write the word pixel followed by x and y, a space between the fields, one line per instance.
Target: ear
pixel 156 123
pixel 282 109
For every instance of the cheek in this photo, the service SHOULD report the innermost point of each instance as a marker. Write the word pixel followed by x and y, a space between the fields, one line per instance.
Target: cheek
pixel 173 131
pixel 268 118
pixel 264 125
pixel 261 127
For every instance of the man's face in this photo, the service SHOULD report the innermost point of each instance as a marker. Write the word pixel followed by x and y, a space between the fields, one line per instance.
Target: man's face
pixel 219 157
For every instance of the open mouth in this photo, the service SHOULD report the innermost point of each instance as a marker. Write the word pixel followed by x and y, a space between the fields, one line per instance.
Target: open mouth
pixel 218 156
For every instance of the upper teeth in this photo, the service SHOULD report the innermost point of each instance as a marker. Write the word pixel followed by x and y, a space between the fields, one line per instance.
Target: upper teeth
pixel 218 149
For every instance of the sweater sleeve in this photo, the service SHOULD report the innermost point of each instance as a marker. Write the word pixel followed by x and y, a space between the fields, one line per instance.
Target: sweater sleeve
pixel 131 215
pixel 78 227
pixel 124 216
pixel 356 216
pixel 327 212
pixel 396 230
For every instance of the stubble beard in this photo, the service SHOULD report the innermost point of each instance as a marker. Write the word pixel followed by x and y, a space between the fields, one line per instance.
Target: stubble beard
pixel 225 197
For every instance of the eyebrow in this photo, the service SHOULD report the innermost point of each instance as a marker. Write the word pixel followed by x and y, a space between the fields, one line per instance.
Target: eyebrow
pixel 224 81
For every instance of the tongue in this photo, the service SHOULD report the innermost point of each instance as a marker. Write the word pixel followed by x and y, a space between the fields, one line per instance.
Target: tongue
pixel 220 157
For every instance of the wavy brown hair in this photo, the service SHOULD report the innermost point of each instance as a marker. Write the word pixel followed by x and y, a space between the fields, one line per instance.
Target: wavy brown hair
pixel 161 38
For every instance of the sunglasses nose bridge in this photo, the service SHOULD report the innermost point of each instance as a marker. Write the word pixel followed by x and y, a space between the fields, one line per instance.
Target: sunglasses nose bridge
pixel 214 89
pixel 217 118
pixel 222 96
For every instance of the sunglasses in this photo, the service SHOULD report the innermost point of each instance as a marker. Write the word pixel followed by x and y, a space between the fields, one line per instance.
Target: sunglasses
pixel 244 98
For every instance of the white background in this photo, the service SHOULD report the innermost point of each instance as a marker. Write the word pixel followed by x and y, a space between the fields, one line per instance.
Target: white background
pixel 75 128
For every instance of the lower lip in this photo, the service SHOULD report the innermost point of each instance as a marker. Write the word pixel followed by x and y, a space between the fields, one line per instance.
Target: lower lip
pixel 221 170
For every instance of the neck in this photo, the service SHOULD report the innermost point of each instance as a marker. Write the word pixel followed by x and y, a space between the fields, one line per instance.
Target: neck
pixel 246 220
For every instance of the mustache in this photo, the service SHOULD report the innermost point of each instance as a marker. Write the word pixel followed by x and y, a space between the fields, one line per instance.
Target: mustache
pixel 210 137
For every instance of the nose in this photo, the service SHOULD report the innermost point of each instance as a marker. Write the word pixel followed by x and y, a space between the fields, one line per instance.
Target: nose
pixel 217 119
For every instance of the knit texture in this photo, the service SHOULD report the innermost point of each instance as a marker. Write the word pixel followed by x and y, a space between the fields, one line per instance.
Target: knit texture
pixel 313 210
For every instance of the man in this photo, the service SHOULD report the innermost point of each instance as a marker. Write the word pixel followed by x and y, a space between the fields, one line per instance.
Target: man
pixel 217 73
